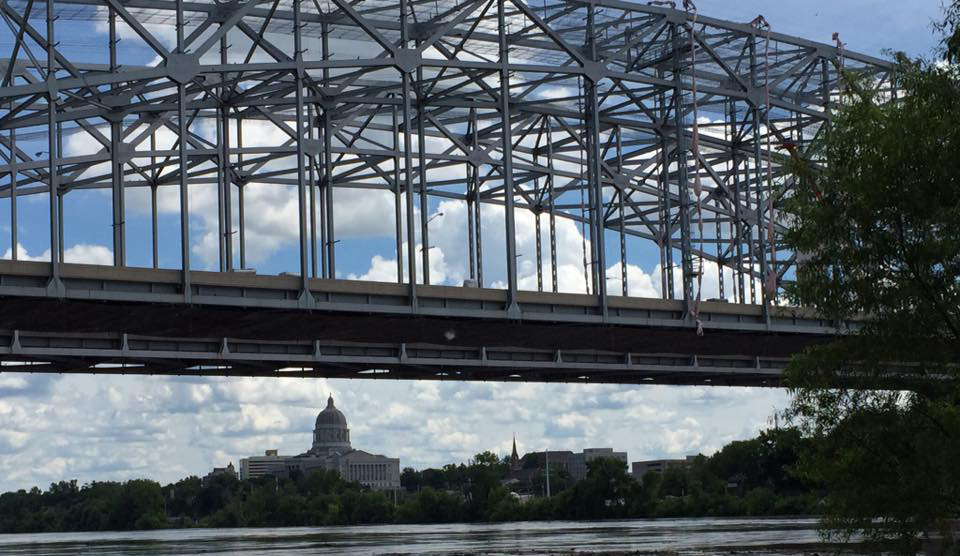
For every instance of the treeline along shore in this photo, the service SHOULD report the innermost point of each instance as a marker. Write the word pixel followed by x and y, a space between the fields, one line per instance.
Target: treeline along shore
pixel 746 478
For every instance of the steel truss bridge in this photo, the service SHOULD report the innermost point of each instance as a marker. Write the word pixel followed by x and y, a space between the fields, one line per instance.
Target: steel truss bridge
pixel 650 129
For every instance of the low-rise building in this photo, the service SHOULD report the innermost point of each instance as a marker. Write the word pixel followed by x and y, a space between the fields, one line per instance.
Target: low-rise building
pixel 577 463
pixel 573 463
pixel 217 471
pixel 271 463
pixel 558 460
pixel 641 468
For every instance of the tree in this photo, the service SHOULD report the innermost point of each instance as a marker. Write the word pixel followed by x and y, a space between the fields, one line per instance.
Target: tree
pixel 410 479
pixel 607 491
pixel 139 505
pixel 877 230
pixel 949 28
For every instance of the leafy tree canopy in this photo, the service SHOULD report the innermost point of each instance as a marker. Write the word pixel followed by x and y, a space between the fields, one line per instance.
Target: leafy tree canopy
pixel 876 226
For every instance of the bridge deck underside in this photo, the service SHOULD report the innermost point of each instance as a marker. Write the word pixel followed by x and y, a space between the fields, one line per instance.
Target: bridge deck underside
pixel 255 326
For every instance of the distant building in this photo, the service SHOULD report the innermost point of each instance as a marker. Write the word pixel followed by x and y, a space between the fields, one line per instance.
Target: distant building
pixel 268 464
pixel 577 463
pixel 217 471
pixel 515 465
pixel 641 468
pixel 557 458
pixel 331 449
pixel 574 464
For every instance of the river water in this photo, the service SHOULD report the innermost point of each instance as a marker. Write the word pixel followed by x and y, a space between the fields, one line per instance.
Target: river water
pixel 695 537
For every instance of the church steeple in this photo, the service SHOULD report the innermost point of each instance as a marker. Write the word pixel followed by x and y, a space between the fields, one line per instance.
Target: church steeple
pixel 514 458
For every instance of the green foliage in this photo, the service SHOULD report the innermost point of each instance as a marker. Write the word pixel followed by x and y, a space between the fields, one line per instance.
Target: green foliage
pixel 878 228
pixel 136 504
pixel 765 461
pixel 949 29
pixel 607 491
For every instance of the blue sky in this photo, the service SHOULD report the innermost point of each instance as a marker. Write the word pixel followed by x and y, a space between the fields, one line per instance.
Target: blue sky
pixel 96 427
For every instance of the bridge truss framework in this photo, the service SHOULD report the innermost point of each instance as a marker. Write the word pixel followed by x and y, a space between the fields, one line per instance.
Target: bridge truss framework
pixel 641 124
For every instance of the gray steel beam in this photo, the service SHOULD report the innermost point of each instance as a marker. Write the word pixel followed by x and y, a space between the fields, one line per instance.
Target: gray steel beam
pixel 506 168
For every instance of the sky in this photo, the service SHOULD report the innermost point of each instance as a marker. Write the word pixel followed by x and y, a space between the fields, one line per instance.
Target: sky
pixel 89 428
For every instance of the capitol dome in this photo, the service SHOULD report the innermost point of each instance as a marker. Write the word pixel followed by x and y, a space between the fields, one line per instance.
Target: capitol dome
pixel 331 432
pixel 331 416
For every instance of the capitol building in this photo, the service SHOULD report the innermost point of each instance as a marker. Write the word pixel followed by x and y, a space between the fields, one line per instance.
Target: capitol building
pixel 331 449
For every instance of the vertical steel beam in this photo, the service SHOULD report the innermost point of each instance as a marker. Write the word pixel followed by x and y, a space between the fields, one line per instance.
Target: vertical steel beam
pixel 720 256
pixel 14 241
pixel 54 154
pixel 506 168
pixel 598 256
pixel 241 220
pixel 737 216
pixel 620 213
pixel 397 193
pixel 301 170
pixel 422 175
pixel 471 198
pixel 184 191
pixel 116 164
pixel 330 241
pixel 665 202
pixel 538 209
pixel 322 196
pixel 154 224
pixel 60 242
pixel 536 224
pixel 682 175
pixel 241 225
pixel 221 195
pixel 552 209
pixel 312 188
pixel 760 255
pixel 477 205
pixel 322 167
pixel 226 170
pixel 405 95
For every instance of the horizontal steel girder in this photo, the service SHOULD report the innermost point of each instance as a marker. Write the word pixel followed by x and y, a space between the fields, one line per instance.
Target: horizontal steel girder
pixel 129 321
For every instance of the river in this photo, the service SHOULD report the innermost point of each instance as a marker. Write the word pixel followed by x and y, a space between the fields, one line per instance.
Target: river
pixel 700 537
